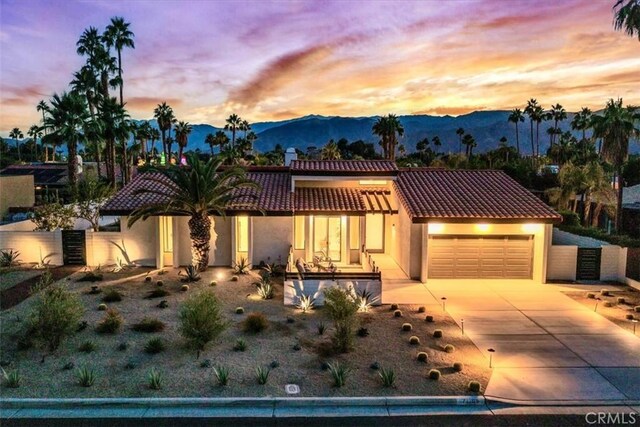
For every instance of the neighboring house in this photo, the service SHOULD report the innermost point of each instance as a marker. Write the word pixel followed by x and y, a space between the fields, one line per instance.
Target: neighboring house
pixel 436 225
pixel 16 192
pixel 631 211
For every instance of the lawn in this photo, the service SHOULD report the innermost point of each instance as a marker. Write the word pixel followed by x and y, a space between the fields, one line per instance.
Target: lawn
pixel 620 312
pixel 291 345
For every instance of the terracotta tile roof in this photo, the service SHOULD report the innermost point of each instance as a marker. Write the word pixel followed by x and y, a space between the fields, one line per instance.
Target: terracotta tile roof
pixel 468 195
pixel 344 167
pixel 328 199
pixel 275 196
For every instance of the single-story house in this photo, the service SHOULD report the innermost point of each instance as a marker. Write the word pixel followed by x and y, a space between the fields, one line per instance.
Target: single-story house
pixel 434 224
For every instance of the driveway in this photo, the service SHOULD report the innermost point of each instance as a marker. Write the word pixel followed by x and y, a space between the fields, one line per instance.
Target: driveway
pixel 548 348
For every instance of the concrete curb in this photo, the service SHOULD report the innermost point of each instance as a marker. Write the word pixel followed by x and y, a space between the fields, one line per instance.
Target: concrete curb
pixel 516 402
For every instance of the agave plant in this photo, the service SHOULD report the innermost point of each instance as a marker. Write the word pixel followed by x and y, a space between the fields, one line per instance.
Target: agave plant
pixel 222 375
pixel 9 258
pixel 241 266
pixel 306 302
pixel 155 379
pixel 365 300
pixel 11 379
pixel 44 261
pixel 264 287
pixel 272 269
pixel 339 373
pixel 191 274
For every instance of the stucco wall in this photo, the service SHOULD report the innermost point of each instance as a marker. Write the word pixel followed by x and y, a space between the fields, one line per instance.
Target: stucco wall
pixel 613 263
pixel 562 263
pixel 16 191
pixel 272 237
pixel 405 243
pixel 140 242
pixel 26 225
pixel 33 244
pixel 220 252
pixel 293 289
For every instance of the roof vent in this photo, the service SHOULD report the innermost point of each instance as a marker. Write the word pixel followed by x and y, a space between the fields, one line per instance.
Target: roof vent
pixel 289 156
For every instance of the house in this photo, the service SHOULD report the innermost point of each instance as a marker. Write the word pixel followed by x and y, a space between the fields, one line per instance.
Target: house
pixel 432 225
pixel 631 211
pixel 17 192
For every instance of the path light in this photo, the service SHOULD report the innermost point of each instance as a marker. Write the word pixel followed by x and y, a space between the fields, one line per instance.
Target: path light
pixel 596 307
pixel 462 325
pixel 491 351
pixel 444 302
pixel 635 322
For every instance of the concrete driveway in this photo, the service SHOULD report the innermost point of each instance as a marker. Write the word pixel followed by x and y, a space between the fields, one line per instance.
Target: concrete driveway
pixel 548 348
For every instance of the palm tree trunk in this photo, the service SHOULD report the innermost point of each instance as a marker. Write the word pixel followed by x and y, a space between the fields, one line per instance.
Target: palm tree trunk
pixel 596 215
pixel 72 163
pixel 120 74
pixel 517 140
pixel 18 147
pixel 179 153
pixel 619 204
pixel 125 163
pixel 533 147
pixel 586 209
pixel 537 139
pixel 112 162
pixel 200 234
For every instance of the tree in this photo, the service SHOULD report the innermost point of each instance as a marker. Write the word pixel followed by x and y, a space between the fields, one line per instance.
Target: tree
pixel 182 131
pixel 469 142
pixel 582 121
pixel 389 129
pixel 201 319
pixel 503 146
pixel 85 83
pixel 42 106
pixel 115 127
pixel 330 151
pixel 165 117
pixel 16 134
pixel 118 35
pixel 532 110
pixel 220 139
pixel 460 133
pixel 422 145
pixel 627 17
pixel 154 135
pixel 616 127
pixel 342 307
pixel 89 196
pixel 233 123
pixel 515 117
pixel 35 132
pixel 436 141
pixel 196 191
pixel 557 114
pixel 53 216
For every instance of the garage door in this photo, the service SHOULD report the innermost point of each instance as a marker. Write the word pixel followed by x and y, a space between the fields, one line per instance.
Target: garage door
pixel 473 257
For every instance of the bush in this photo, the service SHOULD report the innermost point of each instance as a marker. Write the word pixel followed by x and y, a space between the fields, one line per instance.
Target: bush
pixel 339 373
pixel 222 375
pixel 82 326
pixel 86 377
pixel 148 279
pixel 206 363
pixel 394 307
pixel 149 325
pixel 262 374
pixel 102 307
pixel 159 283
pixel 93 275
pixel 163 304
pixel 297 347
pixel 569 218
pixel 123 346
pixel 596 233
pixel 201 319
pixel 11 379
pixel 388 377
pixel 437 333
pixel 255 323
pixel 406 327
pixel 55 316
pixel 423 357
pixel 605 292
pixel 234 278
pixel 458 366
pixel 184 288
pixel 621 300
pixel 397 313
pixel 239 310
pixel 155 379
pixel 157 293
pixel 321 328
pixel 636 308
pixel 414 340
pixel 449 348
pixel 87 347
pixel 240 345
pixel 68 366
pixel 591 295
pixel 474 386
pixel 111 295
pixel 111 322
pixel 434 374
pixel 9 258
pixel 342 308
pixel 191 274
pixel 422 309
pixel 607 304
pixel 429 319
pixel 154 346
pixel 363 332
pixel 213 283
pixel 629 317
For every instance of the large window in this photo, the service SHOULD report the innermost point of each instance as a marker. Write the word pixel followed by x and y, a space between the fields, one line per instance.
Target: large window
pixel 242 234
pixel 327 236
pixel 299 231
pixel 354 232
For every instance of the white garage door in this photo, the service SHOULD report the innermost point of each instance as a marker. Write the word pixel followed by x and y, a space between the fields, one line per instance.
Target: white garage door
pixel 473 257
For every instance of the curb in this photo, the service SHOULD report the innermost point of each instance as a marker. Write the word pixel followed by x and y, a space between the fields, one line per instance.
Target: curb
pixel 516 402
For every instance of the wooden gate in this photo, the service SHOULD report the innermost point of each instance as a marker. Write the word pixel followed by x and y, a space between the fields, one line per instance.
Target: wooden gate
pixel 588 266
pixel 74 247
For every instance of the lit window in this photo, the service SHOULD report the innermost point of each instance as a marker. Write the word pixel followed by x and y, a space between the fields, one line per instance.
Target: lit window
pixel 242 233
pixel 354 232
pixel 373 182
pixel 299 232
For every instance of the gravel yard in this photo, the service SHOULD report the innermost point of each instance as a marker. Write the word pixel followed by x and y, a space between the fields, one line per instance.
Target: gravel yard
pixel 620 312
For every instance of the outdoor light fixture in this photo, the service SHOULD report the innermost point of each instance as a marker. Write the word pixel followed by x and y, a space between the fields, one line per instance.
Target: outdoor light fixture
pixel 435 228
pixel 462 325
pixel 596 307
pixel 491 351
pixel 530 228
pixel 635 322
pixel 483 228
pixel 444 302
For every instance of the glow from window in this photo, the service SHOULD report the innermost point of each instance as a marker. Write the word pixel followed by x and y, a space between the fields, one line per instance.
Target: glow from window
pixel 483 228
pixel 242 233
pixel 299 231
pixel 373 182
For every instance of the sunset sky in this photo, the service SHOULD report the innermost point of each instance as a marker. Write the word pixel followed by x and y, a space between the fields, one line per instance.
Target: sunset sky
pixel 277 60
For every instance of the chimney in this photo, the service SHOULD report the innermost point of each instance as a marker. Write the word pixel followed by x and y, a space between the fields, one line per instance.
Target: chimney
pixel 289 156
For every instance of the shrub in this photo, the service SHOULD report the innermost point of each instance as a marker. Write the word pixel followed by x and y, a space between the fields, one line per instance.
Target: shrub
pixel 388 377
pixel 123 346
pixel 394 307
pixel 9 258
pixel 111 322
pixel 130 365
pixel 148 279
pixel 234 278
pixel 92 275
pixel 184 288
pixel 629 317
pixel 305 302
pixel 414 340
pixel 55 316
pixel 474 386
pixel 297 347
pixel 163 304
pixel 239 310
pixel 406 327
pixel 291 319
pixel 102 307
pixel 607 304
pixel 222 375
pixel 339 373
pixel 201 319
pixel 429 319
pixel 321 328
pixel 159 283
pixel 157 293
pixel 191 274
pixel 11 379
pixel 154 346
pixel 149 325
pixel 591 295
pixel 397 313
pixel 241 266
pixel 213 283
pixel 449 348
pixel 569 218
pixel 458 366
pixel 255 323
pixel 375 366
pixel 86 377
pixel 155 379
pixel 423 357
pixel 636 308
pixel 621 300
pixel 87 347
pixel 95 289
pixel 363 332
pixel 68 366
pixel 240 345
pixel 262 374
pixel 342 309
pixel 274 364
pixel 437 333
pixel 111 295
pixel 206 363
pixel 605 292
pixel 82 326
pixel 421 309
pixel 434 374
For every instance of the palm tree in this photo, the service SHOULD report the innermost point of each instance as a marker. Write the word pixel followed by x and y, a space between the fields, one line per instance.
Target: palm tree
pixel 182 131
pixel 210 140
pixel 558 114
pixel 85 83
pixel 460 133
pixel 503 146
pixel 118 35
pixel 35 132
pixel 627 17
pixel 532 110
pixel 233 123
pixel 388 128
pixel 469 142
pixel 165 117
pixel 197 191
pixel 616 126
pixel 436 141
pixel 115 127
pixel 582 121
pixel 17 135
pixel 67 119
pixel 143 134
pixel 330 151
pixel 42 106
pixel 515 117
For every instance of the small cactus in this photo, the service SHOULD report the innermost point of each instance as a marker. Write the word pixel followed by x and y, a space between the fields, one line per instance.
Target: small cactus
pixel 397 313
pixel 437 333
pixel 629 317
pixel 458 366
pixel 422 309
pixel 607 304
pixel 213 283
pixel 159 283
pixel 449 348
pixel 591 295
pixel 636 308
pixel 234 278
pixel 414 340
pixel 239 310
pixel 434 374
pixel 423 357
pixel 102 307
pixel 394 307
pixel 474 386
pixel 184 288
pixel 621 300
pixel 428 319
pixel 605 292
pixel 147 279
pixel 406 327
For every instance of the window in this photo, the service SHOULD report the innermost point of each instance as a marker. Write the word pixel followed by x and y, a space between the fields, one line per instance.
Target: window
pixel 354 232
pixel 299 231
pixel 167 233
pixel 327 236
pixel 242 234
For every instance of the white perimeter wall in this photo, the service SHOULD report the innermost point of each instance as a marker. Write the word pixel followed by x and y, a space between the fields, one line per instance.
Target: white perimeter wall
pixel 562 263
pixel 613 263
pixel 33 244
pixel 140 242
pixel 406 243
pixel 272 237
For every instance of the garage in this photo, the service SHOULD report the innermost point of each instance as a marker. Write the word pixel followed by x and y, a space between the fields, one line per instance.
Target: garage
pixel 480 257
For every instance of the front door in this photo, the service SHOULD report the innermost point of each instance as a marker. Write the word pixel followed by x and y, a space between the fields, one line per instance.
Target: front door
pixel 327 237
pixel 166 225
pixel 374 232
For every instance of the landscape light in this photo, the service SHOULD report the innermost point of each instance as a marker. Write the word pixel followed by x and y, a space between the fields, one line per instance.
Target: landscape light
pixel 444 302
pixel 596 307
pixel 635 322
pixel 491 351
pixel 462 325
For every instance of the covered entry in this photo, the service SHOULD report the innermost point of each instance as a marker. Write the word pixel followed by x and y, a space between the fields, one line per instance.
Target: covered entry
pixel 480 257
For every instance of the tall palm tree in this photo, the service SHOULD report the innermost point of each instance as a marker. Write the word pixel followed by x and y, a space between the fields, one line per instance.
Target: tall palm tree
pixel 212 141
pixel 460 133
pixel 17 135
pixel 532 110
pixel 436 141
pixel 469 142
pixel 68 116
pixel 233 123
pixel 389 129
pixel 627 17
pixel 515 117
pixel 558 114
pixel 330 151
pixel 154 135
pixel 42 106
pixel 35 132
pixel 118 35
pixel 616 127
pixel 182 131
pixel 197 191
pixel 165 117
pixel 85 83
pixel 116 128
pixel 582 121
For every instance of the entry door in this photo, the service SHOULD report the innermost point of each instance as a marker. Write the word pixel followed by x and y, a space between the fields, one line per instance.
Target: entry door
pixel 374 232
pixel 166 223
pixel 588 266
pixel 327 236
